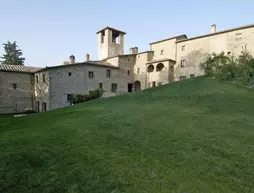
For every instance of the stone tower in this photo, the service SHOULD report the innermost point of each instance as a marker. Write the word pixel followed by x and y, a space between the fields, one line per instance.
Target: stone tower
pixel 110 42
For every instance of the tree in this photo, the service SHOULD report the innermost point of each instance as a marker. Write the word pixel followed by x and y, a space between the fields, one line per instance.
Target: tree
pixel 12 54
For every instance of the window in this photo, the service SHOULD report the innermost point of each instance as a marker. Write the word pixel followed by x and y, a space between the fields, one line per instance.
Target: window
pixel 238 37
pixel 154 84
pixel 162 52
pixel 183 63
pixel 14 86
pixel 149 84
pixel 101 86
pixel 150 68
pixel 128 72
pixel 43 78
pixel 108 73
pixel 192 75
pixel 90 74
pixel 183 48
pixel 114 88
pixel 138 70
pixel 69 97
pixel 159 83
pixel 159 67
pixel 102 36
pixel 44 106
pixel 37 79
pixel 182 77
pixel 69 73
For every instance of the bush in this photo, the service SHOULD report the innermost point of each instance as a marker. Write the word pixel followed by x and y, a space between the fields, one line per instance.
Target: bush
pixel 80 98
pixel 239 70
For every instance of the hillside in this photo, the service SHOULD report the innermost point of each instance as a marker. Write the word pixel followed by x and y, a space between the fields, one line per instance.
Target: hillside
pixel 192 136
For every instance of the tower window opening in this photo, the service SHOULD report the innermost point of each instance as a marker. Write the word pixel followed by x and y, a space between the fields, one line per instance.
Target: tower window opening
pixel 102 36
pixel 115 37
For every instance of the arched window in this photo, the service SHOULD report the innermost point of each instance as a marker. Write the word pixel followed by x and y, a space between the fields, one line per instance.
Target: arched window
pixel 150 68
pixel 159 67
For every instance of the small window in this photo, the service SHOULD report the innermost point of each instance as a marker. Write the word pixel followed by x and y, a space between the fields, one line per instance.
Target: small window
pixel 192 75
pixel 108 73
pixel 101 86
pixel 154 84
pixel 182 77
pixel 128 72
pixel 183 63
pixel 238 36
pixel 149 84
pixel 159 83
pixel 114 88
pixel 37 79
pixel 183 48
pixel 43 78
pixel 14 86
pixel 69 97
pixel 90 74
pixel 162 52
pixel 138 70
pixel 69 73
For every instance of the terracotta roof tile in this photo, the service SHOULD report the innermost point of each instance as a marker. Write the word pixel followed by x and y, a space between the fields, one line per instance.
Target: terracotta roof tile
pixel 17 68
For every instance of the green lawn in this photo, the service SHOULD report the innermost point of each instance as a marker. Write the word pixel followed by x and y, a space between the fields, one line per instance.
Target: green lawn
pixel 188 137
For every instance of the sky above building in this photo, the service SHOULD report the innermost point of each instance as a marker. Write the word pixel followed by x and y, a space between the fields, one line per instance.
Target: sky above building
pixel 49 31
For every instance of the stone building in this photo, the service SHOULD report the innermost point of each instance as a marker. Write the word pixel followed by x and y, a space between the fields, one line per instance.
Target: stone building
pixel 167 60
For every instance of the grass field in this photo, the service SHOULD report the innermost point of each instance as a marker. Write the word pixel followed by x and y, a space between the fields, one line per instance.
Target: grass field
pixel 188 137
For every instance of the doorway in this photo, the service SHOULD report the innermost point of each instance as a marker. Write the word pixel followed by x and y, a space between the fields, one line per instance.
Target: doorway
pixel 137 85
pixel 130 87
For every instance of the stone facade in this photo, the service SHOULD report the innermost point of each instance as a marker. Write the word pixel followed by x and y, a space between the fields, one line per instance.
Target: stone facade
pixel 16 92
pixel 168 60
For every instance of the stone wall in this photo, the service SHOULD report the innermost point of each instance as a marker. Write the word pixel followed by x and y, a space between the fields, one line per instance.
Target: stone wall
pixel 197 50
pixel 19 99
pixel 41 90
pixel 164 49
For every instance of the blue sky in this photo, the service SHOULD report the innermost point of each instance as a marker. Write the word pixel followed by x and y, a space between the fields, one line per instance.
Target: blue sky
pixel 48 31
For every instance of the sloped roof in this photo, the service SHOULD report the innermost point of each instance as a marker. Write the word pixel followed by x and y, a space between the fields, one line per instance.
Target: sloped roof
pixel 179 37
pixel 91 63
pixel 160 60
pixel 217 33
pixel 17 68
pixel 110 28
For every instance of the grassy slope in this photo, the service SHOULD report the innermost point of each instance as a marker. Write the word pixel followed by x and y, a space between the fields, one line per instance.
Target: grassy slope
pixel 193 136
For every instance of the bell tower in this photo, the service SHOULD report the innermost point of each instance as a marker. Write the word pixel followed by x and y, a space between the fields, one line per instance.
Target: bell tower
pixel 110 42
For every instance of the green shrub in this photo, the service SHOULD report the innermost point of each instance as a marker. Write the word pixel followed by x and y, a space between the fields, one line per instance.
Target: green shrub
pixel 80 98
pixel 239 70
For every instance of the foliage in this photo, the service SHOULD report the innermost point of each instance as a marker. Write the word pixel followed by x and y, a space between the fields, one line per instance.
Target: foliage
pixel 12 54
pixel 79 98
pixel 225 67
pixel 203 143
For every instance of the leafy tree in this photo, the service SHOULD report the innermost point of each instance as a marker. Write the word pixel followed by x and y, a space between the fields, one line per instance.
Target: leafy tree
pixel 12 54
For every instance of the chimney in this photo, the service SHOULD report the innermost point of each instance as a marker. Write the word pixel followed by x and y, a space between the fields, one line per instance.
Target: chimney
pixel 72 59
pixel 213 28
pixel 134 50
pixel 87 57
